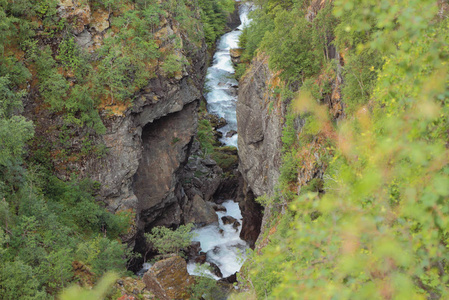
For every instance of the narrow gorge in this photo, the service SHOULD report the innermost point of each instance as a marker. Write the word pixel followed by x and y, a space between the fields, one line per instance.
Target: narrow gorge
pixel 215 149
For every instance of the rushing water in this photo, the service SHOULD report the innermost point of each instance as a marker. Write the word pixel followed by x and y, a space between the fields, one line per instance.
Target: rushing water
pixel 221 85
pixel 221 242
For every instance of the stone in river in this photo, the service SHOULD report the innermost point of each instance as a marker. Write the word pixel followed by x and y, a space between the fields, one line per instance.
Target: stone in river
pixel 228 220
pixel 231 133
pixel 215 270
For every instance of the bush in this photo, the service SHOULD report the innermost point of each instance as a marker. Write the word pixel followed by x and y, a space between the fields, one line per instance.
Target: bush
pixel 165 240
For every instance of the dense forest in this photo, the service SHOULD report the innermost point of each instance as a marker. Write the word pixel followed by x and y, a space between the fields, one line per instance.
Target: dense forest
pixel 361 208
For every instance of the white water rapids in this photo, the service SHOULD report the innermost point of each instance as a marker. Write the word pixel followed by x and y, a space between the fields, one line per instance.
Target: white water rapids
pixel 221 242
pixel 220 83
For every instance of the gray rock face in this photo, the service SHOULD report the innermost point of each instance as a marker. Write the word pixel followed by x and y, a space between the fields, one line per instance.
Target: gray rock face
pixel 199 212
pixel 165 149
pixel 260 119
pixel 149 143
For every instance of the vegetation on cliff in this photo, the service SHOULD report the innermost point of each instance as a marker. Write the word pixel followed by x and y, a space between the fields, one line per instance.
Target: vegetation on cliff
pixel 54 232
pixel 362 206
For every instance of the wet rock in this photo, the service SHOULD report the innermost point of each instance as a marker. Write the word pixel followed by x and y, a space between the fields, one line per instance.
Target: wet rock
pixel 168 279
pixel 252 217
pixel 216 121
pixel 201 258
pixel 194 253
pixel 235 55
pixel 236 225
pixel 215 270
pixel 228 220
pixel 193 249
pixel 230 279
pixel 231 133
pixel 199 212
pixel 219 207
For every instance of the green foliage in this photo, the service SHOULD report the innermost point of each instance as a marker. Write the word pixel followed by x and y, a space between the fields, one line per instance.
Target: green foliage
pixel 205 136
pixel 52 85
pixel 15 131
pixel 17 281
pixel 264 200
pixel 360 77
pixel 213 18
pixel 173 64
pixel 52 225
pixel 69 54
pixel 205 286
pixel 102 254
pixel 289 168
pixel 226 157
pixel 165 240
pixel 101 289
pixel 379 230
pixel 289 46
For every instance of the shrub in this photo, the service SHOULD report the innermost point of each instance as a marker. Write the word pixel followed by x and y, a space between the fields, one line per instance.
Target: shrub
pixel 165 240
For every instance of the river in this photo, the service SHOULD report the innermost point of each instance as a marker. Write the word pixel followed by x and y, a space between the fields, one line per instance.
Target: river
pixel 222 242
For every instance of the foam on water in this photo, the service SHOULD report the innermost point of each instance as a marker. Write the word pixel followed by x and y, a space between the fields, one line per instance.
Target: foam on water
pixel 222 243
pixel 145 268
pixel 221 97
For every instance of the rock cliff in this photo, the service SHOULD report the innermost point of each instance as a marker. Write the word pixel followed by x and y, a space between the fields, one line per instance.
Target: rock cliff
pixel 260 117
pixel 148 142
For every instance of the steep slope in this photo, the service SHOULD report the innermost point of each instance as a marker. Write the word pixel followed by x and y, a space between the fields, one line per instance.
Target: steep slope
pixel 363 149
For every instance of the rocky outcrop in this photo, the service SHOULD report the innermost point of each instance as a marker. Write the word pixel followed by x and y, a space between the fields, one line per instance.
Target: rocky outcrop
pixel 132 289
pixel 147 143
pixel 166 145
pixel 235 55
pixel 199 212
pixel 233 20
pixel 251 213
pixel 168 279
pixel 260 117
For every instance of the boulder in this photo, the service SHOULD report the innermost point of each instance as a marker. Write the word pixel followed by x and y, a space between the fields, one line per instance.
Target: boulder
pixel 231 133
pixel 228 220
pixel 132 289
pixel 199 212
pixel 235 55
pixel 201 258
pixel 230 279
pixel 168 279
pixel 215 270
pixel 219 207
